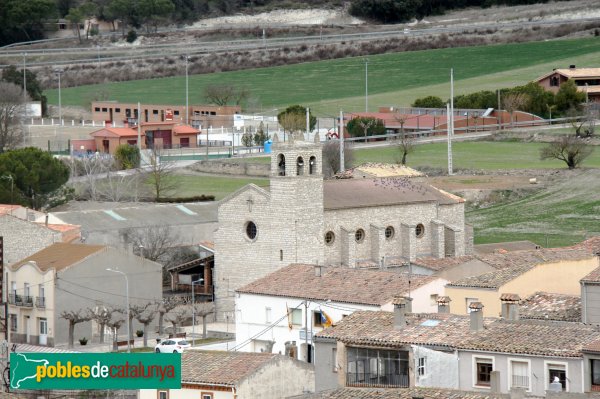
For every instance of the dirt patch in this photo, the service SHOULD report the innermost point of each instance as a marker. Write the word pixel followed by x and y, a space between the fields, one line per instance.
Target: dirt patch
pixel 481 182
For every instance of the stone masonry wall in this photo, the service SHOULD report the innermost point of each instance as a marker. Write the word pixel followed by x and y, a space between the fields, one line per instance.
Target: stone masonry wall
pixel 23 238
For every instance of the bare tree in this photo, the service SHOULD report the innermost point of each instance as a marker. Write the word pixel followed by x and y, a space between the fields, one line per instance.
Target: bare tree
pixel 225 94
pixel 102 315
pixel 583 124
pixel 203 309
pixel 331 157
pixel 165 307
pixel 152 242
pixel 513 102
pixel 145 314
pixel 114 324
pixel 74 317
pixel 177 316
pixel 161 176
pixel 571 150
pixel 366 124
pixel 406 142
pixel 12 112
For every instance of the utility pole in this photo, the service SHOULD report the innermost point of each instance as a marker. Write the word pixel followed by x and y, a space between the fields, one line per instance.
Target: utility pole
pixel 450 118
pixel 366 85
pixel 139 130
pixel 306 327
pixel 187 110
pixel 307 122
pixel 342 168
pixel 24 80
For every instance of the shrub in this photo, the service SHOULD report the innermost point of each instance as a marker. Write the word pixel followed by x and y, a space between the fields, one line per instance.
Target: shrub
pixel 127 156
pixel 131 36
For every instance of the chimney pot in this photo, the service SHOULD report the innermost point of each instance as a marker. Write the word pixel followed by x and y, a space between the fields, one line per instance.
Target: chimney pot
pixel 510 306
pixel 476 315
pixel 402 306
pixel 572 66
pixel 443 303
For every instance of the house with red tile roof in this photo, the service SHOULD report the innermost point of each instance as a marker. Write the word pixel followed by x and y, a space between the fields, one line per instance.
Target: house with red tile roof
pixel 283 310
pixel 587 80
pixel 464 352
pixel 231 375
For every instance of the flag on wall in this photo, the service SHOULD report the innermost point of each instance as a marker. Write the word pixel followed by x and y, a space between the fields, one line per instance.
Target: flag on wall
pixel 288 316
pixel 326 320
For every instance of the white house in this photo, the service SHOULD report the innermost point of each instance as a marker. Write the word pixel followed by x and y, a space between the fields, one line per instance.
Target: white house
pixel 280 312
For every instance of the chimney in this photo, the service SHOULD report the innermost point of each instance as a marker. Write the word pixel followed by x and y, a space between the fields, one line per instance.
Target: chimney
pixel 402 306
pixel 46 220
pixel 317 271
pixel 572 66
pixel 510 306
pixel 476 313
pixel 443 303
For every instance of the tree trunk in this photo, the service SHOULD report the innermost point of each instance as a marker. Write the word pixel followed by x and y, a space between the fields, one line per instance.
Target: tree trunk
pixel 404 158
pixel 71 333
pixel 174 328
pixel 204 326
pixel 101 333
pixel 161 329
pixel 145 334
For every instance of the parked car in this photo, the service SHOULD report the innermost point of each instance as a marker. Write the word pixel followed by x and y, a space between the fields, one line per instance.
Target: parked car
pixel 172 345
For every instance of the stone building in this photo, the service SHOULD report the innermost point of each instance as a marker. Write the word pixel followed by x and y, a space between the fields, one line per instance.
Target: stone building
pixel 347 222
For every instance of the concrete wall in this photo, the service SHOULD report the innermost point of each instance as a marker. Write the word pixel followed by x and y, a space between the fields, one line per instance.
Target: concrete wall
pixel 538 375
pixel 88 284
pixel 280 378
pixel 23 238
pixel 421 297
pixel 590 303
pixel 470 268
pixel 441 368
pixel 28 318
pixel 326 365
pixel 232 167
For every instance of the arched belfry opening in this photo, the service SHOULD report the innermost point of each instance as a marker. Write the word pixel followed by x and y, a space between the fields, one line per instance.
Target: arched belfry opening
pixel 281 165
pixel 299 166
pixel 312 166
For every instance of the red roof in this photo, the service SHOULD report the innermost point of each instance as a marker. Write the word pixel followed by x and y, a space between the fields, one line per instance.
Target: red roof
pixel 185 129
pixel 115 132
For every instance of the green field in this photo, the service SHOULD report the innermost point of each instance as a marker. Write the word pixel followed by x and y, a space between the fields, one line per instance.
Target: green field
pixel 220 187
pixel 472 155
pixel 395 78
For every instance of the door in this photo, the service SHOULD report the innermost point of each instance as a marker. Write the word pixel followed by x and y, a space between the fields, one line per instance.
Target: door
pixel 43 331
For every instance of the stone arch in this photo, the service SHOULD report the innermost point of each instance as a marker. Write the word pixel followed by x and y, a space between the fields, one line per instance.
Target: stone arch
pixel 299 166
pixel 312 165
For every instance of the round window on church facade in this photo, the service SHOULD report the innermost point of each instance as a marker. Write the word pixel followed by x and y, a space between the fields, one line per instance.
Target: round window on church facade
pixel 420 230
pixel 251 231
pixel 329 238
pixel 359 235
pixel 389 232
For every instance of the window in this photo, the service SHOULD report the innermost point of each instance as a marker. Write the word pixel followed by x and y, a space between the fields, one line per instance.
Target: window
pixel 595 368
pixel 557 371
pixel 554 81
pixel 469 301
pixel 389 232
pixel 375 367
pixel 154 112
pixel 176 113
pixel 334 363
pixel 13 322
pixel 184 142
pixel 26 289
pixel 251 230
pixel 117 109
pixel 163 394
pixel 97 109
pixel 281 254
pixel 359 236
pixel 206 395
pixel 318 318
pixel 421 367
pixel 297 317
pixel 483 371
pixel 104 109
pixel 420 230
pixel 299 166
pixel 433 298
pixel 519 374
pixel 329 237
pixel 268 315
pixel 281 165
pixel 312 165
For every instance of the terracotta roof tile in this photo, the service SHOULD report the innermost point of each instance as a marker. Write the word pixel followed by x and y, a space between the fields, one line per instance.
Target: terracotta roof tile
pixel 60 255
pixel 513 264
pixel 593 276
pixel 510 297
pixel 185 129
pixel 339 284
pixel 532 337
pixel 438 264
pixel 591 244
pixel 547 306
pixel 220 367
pixel 353 193
pixel 400 393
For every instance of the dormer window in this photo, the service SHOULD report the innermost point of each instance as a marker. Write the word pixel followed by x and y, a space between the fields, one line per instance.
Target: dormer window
pixel 281 165
pixel 312 166
pixel 299 166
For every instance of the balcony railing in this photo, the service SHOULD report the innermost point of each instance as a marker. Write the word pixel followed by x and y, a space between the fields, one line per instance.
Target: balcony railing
pixel 376 381
pixel 520 381
pixel 20 300
pixel 40 302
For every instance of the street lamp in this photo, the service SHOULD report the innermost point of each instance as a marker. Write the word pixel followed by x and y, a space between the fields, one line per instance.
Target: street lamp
pixel 200 280
pixel 59 71
pixel 187 120
pixel 366 85
pixel 127 303
pixel 24 80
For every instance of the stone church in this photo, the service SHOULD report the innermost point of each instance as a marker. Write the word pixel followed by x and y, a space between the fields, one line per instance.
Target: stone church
pixel 341 222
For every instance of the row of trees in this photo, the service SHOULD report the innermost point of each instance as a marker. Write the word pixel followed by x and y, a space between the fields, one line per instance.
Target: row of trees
pixel 171 310
pixel 394 11
pixel 528 98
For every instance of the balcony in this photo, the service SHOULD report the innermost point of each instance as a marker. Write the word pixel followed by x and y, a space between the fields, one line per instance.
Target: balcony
pixel 376 380
pixel 21 300
pixel 40 302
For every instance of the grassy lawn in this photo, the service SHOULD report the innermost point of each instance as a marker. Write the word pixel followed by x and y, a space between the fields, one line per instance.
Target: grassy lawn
pixel 472 155
pixel 327 84
pixel 220 187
